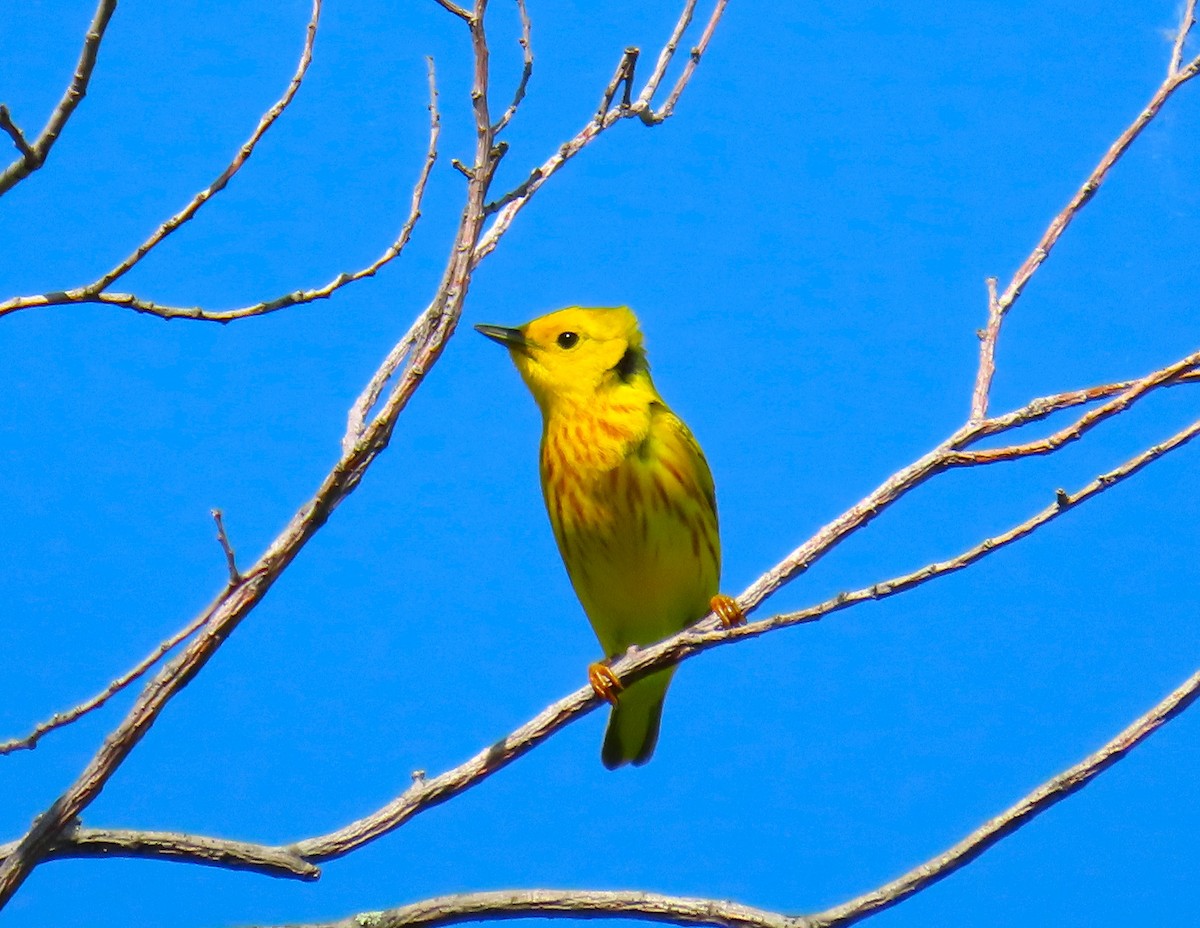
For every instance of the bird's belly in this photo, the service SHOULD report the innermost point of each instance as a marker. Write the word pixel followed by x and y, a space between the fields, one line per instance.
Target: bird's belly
pixel 641 573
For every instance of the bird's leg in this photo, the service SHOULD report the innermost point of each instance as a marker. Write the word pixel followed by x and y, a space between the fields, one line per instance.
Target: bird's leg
pixel 604 681
pixel 727 610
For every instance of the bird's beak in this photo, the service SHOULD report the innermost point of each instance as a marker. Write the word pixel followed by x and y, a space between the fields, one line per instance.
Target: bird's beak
pixel 513 339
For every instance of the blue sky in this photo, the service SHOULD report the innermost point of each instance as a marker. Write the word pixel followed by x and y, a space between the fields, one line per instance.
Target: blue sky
pixel 806 244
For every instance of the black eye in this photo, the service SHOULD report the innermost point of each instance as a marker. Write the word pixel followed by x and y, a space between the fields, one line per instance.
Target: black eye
pixel 567 339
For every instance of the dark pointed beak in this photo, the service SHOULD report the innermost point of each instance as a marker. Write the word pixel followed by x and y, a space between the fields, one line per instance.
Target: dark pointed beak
pixel 509 338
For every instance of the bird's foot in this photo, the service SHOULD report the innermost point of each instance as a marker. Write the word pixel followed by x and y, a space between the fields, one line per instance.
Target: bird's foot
pixel 727 610
pixel 604 681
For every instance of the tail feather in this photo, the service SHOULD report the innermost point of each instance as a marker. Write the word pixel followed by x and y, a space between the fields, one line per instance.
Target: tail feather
pixel 632 729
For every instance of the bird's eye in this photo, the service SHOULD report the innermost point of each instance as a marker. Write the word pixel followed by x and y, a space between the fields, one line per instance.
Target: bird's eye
pixel 567 339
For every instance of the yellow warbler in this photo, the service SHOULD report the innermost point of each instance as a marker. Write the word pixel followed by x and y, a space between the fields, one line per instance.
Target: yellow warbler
pixel 630 499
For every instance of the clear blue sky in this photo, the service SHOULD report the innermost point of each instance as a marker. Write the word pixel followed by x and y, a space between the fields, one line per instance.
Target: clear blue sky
pixel 806 244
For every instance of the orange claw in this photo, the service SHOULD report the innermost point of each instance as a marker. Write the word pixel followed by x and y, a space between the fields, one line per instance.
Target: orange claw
pixel 727 610
pixel 604 681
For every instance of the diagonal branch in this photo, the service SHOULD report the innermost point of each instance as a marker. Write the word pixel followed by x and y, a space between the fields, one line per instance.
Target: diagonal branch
pixel 33 156
pixel 681 910
pixel 987 355
pixel 14 132
pixel 243 154
pixel 1181 36
pixel 993 831
pixel 296 297
pixel 62 719
pixel 998 306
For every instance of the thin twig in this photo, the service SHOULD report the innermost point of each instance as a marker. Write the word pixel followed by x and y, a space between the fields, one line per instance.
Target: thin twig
pixel 1181 35
pixel 223 539
pixel 1042 407
pixel 268 119
pixel 294 298
pixel 357 418
pixel 35 155
pixel 667 53
pixel 506 208
pixel 622 77
pixel 15 133
pixel 1086 422
pixel 1053 791
pixel 454 8
pixel 987 355
pixel 61 719
pixel 653 117
pixel 1060 222
pixel 526 69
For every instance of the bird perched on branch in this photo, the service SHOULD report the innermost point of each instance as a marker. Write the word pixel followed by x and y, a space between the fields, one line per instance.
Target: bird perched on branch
pixel 630 498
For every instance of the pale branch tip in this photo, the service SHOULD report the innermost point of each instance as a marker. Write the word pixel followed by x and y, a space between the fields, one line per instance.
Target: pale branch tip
pixel 526 43
pixel 1181 36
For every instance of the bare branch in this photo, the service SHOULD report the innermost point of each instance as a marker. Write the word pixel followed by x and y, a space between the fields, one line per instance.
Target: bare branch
pixel 1055 790
pixel 1185 26
pixel 1084 423
pixel 430 334
pixel 653 117
pixel 295 298
pixel 234 166
pixel 503 905
pixel 34 156
pixel 526 69
pixel 506 207
pixel 987 355
pixel 15 133
pixel 1060 222
pixel 667 53
pixel 223 539
pixel 681 910
pixel 454 8
pixel 424 793
pixel 169 845
pixel 61 719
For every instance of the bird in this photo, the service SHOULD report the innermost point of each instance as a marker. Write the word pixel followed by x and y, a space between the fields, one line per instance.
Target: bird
pixel 630 498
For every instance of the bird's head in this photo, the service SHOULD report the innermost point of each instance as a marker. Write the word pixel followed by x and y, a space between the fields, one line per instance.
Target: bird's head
pixel 571 355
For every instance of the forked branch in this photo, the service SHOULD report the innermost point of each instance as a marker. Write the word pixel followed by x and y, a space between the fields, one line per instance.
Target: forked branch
pixel 34 155
pixel 680 910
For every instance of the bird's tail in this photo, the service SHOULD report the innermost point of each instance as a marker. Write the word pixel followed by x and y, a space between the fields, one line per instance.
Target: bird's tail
pixel 632 729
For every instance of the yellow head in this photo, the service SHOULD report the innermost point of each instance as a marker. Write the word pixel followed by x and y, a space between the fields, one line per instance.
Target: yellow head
pixel 570 356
